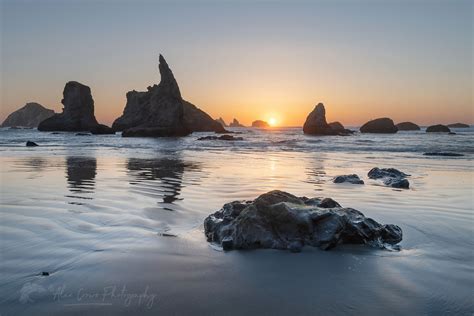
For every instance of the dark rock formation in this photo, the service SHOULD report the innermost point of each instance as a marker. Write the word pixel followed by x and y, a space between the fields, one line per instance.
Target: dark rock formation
pixel 340 129
pixel 199 121
pixel 407 126
pixel 458 125
pixel 260 124
pixel 391 177
pixel 443 154
pixel 438 129
pixel 381 125
pixel 316 124
pixel 78 112
pixel 235 123
pixel 28 116
pixel 351 178
pixel 223 137
pixel 31 144
pixel 221 121
pixel 283 221
pixel 161 111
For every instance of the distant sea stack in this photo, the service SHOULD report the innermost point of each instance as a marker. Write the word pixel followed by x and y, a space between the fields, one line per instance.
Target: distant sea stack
pixel 438 129
pixel 316 124
pixel 28 116
pixel 161 111
pixel 407 126
pixel 78 112
pixel 459 125
pixel 381 125
pixel 236 123
pixel 221 121
pixel 260 124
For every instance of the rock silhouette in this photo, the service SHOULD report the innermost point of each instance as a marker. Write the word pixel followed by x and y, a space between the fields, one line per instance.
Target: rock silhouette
pixel 78 112
pixel 235 123
pixel 316 124
pixel 438 129
pixel 221 121
pixel 31 144
pixel 260 124
pixel 381 125
pixel 161 111
pixel 407 126
pixel 458 125
pixel 281 220
pixel 29 115
pixel 350 178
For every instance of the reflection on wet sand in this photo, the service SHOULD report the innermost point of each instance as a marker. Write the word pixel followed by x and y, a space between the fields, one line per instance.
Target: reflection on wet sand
pixel 169 171
pixel 80 174
pixel 315 173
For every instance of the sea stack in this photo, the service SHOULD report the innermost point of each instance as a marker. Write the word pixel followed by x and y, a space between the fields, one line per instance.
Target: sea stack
pixel 316 122
pixel 221 121
pixel 78 112
pixel 407 126
pixel 260 124
pixel 438 129
pixel 161 111
pixel 458 125
pixel 236 123
pixel 381 126
pixel 28 116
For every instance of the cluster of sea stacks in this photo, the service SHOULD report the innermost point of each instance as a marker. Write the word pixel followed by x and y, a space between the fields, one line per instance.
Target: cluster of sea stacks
pixel 161 111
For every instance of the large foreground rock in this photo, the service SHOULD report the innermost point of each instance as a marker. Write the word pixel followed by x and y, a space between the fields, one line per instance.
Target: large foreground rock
pixel 407 126
pixel 28 116
pixel 438 129
pixel 391 177
pixel 381 125
pixel 78 112
pixel 161 111
pixel 283 221
pixel 235 123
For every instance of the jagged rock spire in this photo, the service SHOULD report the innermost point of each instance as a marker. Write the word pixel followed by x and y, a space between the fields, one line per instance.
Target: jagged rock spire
pixel 168 83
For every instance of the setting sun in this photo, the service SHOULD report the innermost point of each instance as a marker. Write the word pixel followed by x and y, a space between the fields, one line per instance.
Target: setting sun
pixel 272 121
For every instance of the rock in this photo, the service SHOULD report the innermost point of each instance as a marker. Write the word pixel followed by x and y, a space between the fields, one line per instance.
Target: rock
pixel 29 115
pixel 78 112
pixel 458 125
pixel 280 220
pixel 381 125
pixel 223 137
pixel 338 127
pixel 316 124
pixel 31 144
pixel 199 121
pixel 407 126
pixel 391 177
pixel 438 129
pixel 101 129
pixel 351 178
pixel 161 111
pixel 221 121
pixel 451 133
pixel 443 154
pixel 235 123
pixel 83 134
pixel 260 124
pixel 44 273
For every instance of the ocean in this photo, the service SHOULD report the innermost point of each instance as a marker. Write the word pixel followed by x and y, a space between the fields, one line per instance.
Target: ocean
pixel 117 224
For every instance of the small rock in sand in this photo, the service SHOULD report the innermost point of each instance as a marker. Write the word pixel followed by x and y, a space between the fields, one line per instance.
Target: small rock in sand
pixel 350 178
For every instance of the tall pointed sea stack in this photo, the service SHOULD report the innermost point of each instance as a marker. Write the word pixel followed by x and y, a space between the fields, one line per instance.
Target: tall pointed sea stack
pixel 78 112
pixel 316 123
pixel 161 111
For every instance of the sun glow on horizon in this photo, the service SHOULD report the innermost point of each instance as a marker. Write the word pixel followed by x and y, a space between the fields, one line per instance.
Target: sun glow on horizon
pixel 272 121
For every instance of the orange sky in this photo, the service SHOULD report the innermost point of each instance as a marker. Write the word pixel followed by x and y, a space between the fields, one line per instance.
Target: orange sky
pixel 411 61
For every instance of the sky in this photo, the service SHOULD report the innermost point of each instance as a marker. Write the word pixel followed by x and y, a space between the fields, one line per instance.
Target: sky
pixel 407 60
